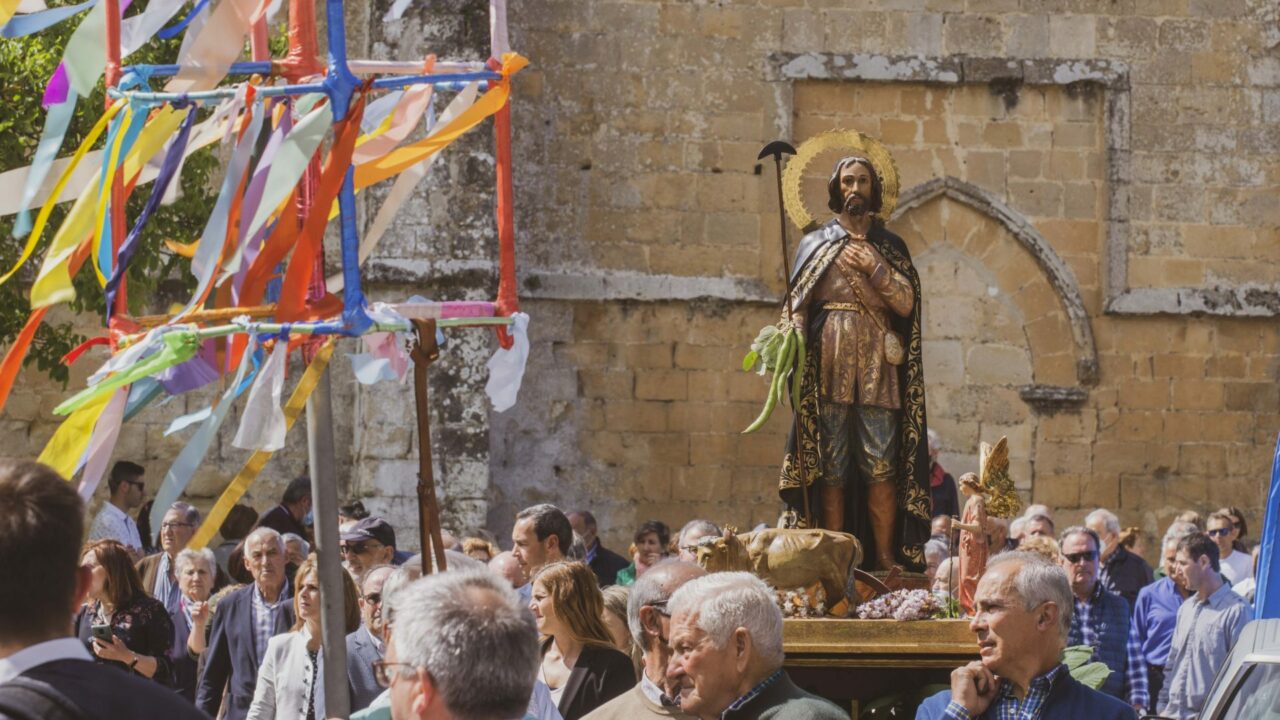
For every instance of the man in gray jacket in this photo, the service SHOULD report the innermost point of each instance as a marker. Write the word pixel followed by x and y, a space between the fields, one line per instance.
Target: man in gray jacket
pixel 366 645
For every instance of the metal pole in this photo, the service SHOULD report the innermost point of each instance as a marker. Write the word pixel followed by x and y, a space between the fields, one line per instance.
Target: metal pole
pixel 324 504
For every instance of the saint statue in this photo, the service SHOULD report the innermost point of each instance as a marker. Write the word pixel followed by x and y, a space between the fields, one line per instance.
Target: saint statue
pixel 974 547
pixel 858 448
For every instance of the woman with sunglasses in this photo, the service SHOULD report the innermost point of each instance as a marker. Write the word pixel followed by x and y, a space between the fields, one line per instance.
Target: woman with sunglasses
pixel 579 662
pixel 291 679
pixel 121 624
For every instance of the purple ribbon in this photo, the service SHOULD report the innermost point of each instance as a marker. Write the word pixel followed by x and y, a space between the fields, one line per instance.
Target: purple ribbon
pixel 168 169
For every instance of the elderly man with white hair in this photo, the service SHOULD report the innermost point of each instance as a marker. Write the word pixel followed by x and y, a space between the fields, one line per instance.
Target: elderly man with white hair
pixel 246 619
pixel 462 646
pixel 726 661
pixel 1024 606
pixel 1122 572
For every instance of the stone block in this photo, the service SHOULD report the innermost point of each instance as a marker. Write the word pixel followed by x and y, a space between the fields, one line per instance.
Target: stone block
pixel 625 416
pixel 1028 35
pixel 1195 394
pixel 998 365
pixel 1145 395
pixel 944 362
pixel 1202 459
pixel 1072 36
pixel 662 385
pixel 1055 458
pixel 612 384
pixel 1026 164
pixel 1037 198
pixel 1057 491
pixel 975 35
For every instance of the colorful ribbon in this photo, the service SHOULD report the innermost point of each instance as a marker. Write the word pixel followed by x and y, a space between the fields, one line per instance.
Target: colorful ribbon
pixel 400 160
pixel 193 453
pixel 103 442
pixel 255 463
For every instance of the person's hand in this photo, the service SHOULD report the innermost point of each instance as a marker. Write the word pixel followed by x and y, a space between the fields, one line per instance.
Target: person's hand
pixel 199 613
pixel 974 687
pixel 864 258
pixel 114 650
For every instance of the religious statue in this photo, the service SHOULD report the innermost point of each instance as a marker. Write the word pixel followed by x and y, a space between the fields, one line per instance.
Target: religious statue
pixel 859 438
pixel 974 548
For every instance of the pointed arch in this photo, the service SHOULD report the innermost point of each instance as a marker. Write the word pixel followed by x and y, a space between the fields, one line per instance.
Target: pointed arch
pixel 1058 273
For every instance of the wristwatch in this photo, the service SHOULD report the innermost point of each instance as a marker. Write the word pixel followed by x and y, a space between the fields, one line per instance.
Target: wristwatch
pixel 134 665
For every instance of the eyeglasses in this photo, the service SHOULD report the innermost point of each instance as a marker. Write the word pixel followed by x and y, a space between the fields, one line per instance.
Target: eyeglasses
pixel 373 598
pixel 1086 556
pixel 1220 532
pixel 175 525
pixel 384 673
pixel 358 548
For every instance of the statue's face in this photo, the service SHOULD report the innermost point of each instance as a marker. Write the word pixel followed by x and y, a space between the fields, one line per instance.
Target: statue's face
pixel 855 187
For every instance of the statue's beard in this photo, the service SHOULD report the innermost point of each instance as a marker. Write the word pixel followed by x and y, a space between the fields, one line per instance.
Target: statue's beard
pixel 855 205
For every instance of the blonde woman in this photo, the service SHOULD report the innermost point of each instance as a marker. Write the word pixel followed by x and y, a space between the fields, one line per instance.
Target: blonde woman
pixel 291 679
pixel 579 662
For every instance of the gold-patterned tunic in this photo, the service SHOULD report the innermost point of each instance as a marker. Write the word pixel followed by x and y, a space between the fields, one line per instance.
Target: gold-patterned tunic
pixel 852 367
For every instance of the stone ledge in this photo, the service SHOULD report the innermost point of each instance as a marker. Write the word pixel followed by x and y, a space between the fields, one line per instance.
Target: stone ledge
pixel 1050 399
pixel 1249 301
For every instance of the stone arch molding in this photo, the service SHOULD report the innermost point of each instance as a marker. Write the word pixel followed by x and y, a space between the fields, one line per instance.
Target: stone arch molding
pixel 1058 273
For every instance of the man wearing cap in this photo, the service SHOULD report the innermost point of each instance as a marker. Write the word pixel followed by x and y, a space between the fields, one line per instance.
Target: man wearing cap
pixel 370 542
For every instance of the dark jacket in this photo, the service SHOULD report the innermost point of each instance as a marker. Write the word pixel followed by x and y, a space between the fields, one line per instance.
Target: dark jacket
pixel 1110 617
pixel 943 497
pixel 361 654
pixel 144 627
pixel 1068 700
pixel 600 675
pixel 782 700
pixel 102 691
pixel 282 521
pixel 606 565
pixel 1125 573
pixel 231 660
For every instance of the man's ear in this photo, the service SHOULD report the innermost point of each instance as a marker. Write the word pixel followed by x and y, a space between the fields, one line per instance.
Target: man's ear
pixel 424 693
pixel 742 648
pixel 1049 614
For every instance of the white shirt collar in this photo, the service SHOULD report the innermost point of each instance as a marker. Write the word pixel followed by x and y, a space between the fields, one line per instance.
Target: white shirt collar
pixel 41 653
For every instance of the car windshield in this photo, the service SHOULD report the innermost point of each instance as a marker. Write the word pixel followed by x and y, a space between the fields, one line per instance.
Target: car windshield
pixel 1258 695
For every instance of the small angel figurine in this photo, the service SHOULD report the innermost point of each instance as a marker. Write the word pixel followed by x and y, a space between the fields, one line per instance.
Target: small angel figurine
pixel 973 539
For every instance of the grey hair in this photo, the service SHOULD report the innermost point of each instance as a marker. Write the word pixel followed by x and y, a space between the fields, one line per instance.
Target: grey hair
pixel 294 537
pixel 1017 526
pixel 188 556
pixel 266 532
pixel 469 630
pixel 1106 518
pixel 189 512
pixel 1037 581
pixel 1176 532
pixel 706 527
pixel 1037 509
pixel 935 442
pixel 727 601
pixel 1080 530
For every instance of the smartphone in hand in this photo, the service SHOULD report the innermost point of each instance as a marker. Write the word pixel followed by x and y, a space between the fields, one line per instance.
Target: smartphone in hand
pixel 103 633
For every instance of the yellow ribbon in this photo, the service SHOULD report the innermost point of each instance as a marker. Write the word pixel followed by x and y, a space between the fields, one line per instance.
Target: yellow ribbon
pixel 394 163
pixel 7 8
pixel 104 193
pixel 69 441
pixel 43 216
pixel 236 490
pixel 53 283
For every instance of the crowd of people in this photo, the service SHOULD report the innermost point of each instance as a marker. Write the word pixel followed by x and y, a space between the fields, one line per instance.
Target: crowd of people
pixel 560 626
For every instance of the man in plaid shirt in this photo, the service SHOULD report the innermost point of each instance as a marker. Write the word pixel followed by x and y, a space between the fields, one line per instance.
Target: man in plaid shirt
pixel 1102 620
pixel 1024 607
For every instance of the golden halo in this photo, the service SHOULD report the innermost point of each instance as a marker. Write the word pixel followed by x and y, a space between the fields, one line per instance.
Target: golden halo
pixel 849 142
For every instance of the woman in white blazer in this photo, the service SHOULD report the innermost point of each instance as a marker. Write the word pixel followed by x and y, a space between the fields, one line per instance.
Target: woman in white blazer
pixel 291 678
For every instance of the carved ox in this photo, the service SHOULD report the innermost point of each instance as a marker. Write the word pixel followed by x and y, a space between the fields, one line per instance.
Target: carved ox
pixel 786 558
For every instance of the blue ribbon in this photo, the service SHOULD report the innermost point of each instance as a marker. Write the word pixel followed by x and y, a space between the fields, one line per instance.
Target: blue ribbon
pixel 173 30
pixel 23 25
pixel 172 159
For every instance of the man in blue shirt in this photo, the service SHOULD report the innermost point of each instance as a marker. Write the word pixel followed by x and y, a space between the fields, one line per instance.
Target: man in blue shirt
pixel 1156 612
pixel 1101 619
pixel 1024 607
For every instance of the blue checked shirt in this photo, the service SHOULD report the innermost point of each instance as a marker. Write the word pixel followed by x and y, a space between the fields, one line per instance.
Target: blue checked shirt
pixel 1006 706
pixel 1135 667
pixel 264 616
pixel 752 693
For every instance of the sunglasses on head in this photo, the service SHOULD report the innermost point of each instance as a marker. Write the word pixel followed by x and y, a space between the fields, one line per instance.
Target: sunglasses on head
pixel 1087 555
pixel 1220 532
